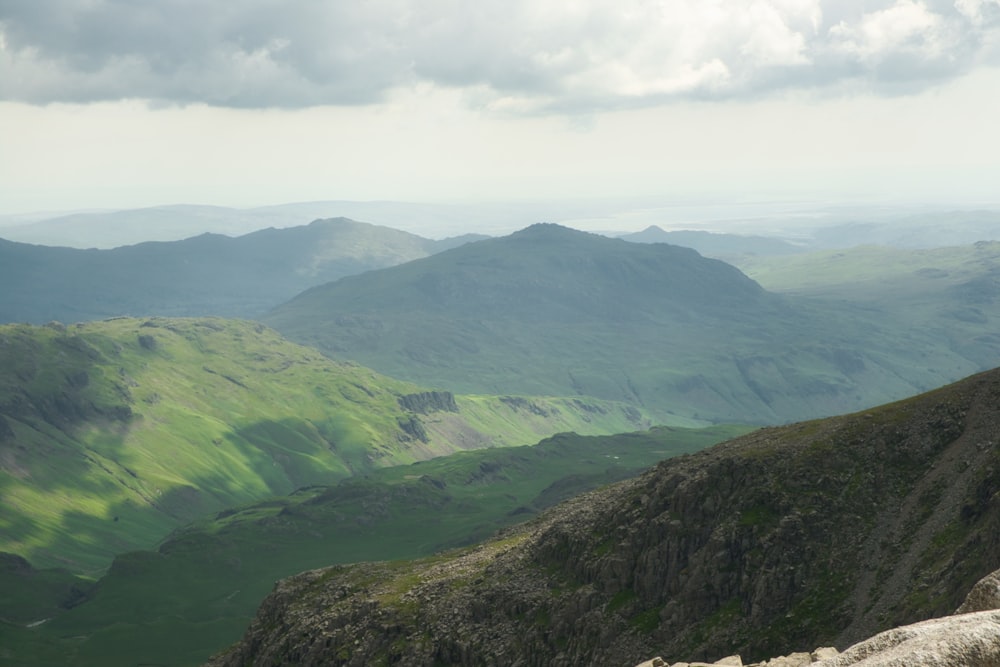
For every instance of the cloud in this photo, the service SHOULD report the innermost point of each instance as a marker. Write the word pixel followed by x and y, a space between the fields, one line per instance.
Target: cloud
pixel 518 55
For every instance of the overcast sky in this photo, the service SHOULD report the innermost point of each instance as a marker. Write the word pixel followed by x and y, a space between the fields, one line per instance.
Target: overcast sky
pixel 123 103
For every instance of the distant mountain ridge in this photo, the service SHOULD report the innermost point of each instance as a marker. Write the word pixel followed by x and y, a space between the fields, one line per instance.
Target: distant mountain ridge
pixel 204 275
pixel 550 310
pixel 713 244
pixel 816 225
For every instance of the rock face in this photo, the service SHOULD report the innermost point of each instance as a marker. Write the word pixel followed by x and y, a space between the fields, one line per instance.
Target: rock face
pixel 426 402
pixel 969 639
pixel 820 533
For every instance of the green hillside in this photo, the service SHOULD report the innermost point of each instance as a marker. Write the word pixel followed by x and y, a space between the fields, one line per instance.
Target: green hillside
pixel 198 591
pixel 549 310
pixel 951 293
pixel 113 433
pixel 880 274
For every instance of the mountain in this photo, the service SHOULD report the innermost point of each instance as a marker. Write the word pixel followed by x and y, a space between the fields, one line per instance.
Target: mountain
pixel 114 433
pixel 111 229
pixel 814 534
pixel 209 274
pixel 553 311
pixel 197 592
pixel 713 244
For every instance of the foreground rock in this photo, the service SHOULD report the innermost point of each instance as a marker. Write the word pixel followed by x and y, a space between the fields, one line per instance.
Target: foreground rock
pixel 984 596
pixel 970 638
pixel 822 533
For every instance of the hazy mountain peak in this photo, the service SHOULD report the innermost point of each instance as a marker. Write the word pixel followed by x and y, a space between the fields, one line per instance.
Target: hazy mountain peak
pixel 333 222
pixel 550 230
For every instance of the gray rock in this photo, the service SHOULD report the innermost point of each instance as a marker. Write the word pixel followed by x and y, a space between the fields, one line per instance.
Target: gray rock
pixel 984 596
pixel 968 640
pixel 824 653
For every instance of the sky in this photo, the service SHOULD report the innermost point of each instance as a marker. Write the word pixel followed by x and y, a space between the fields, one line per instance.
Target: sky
pixel 128 103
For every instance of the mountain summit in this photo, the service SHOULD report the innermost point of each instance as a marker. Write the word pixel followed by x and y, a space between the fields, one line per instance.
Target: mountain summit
pixel 550 310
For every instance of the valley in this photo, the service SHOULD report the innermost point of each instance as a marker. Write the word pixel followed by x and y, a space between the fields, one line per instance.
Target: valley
pixel 197 591
pixel 820 533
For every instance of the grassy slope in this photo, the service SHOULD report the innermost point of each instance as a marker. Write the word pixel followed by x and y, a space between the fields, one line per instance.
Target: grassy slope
pixel 553 311
pixel 949 293
pixel 868 272
pixel 113 433
pixel 198 592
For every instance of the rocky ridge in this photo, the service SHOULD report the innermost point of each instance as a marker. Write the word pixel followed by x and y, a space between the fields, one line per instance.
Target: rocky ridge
pixel 820 533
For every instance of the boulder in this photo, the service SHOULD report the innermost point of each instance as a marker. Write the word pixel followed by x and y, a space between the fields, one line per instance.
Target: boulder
pixel 969 640
pixel 985 595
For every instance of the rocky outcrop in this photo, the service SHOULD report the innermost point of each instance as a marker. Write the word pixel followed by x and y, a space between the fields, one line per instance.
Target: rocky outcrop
pixel 426 402
pixel 820 533
pixel 984 596
pixel 970 638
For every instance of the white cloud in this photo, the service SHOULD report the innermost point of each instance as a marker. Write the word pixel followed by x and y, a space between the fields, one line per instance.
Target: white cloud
pixel 978 11
pixel 771 42
pixel 906 25
pixel 524 55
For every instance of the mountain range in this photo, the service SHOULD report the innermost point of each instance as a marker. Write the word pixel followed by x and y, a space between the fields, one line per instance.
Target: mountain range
pixel 206 275
pixel 203 458
pixel 571 313
pixel 807 225
pixel 554 311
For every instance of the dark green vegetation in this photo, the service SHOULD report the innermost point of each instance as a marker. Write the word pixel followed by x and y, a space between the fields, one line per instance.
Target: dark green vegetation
pixel 114 433
pixel 554 311
pixel 784 539
pixel 209 274
pixel 198 591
